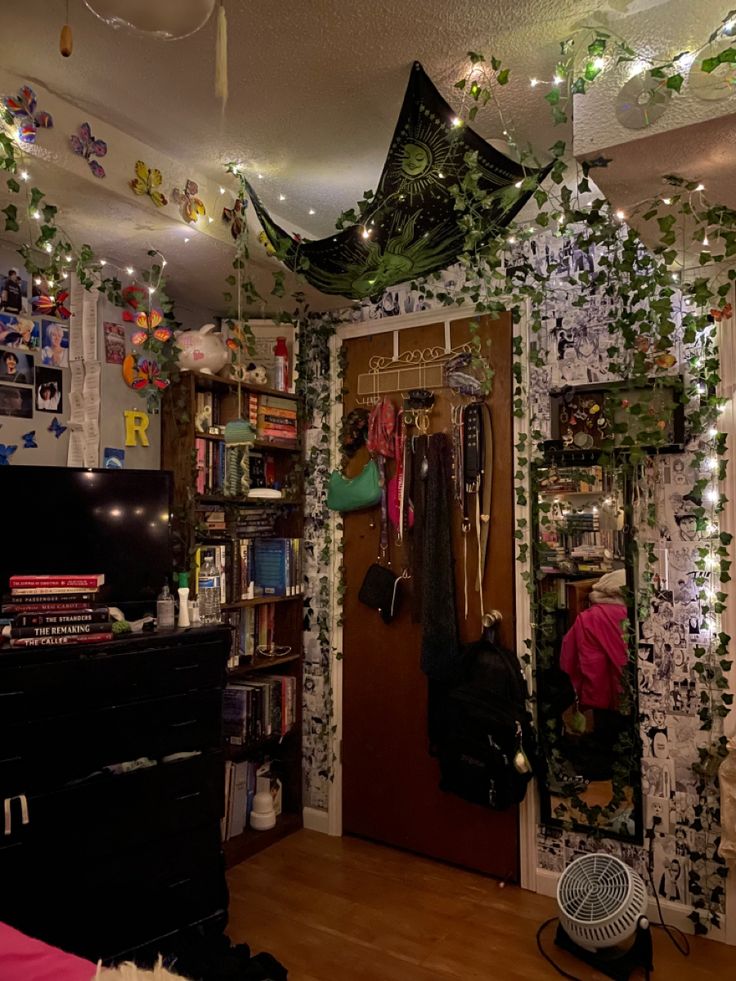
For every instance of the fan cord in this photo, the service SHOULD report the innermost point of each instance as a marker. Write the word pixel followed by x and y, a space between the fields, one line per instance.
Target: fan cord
pixel 546 956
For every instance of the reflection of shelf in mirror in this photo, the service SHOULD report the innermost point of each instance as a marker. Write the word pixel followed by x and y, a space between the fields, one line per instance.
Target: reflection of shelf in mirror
pixel 571 494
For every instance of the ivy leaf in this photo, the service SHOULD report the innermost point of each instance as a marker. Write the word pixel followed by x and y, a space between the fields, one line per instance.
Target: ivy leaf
pixel 553 97
pixel 657 73
pixel 495 63
pixel 49 212
pixel 11 215
pixel 558 149
pixel 503 76
pixel 674 82
pixel 578 86
pixel 709 65
pixel 36 196
pixel 13 185
pixel 472 112
pixel 460 84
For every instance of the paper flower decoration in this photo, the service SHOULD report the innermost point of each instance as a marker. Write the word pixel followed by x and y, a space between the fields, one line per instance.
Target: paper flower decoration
pixel 29 440
pixel 87 147
pixel 52 306
pixel 236 217
pixel 190 205
pixel 263 239
pixel 23 107
pixel 5 453
pixel 147 180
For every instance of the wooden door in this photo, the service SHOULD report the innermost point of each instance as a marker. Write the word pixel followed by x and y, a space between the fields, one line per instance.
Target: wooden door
pixel 390 782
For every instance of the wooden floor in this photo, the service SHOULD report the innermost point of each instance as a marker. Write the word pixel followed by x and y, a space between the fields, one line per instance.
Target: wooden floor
pixel 340 909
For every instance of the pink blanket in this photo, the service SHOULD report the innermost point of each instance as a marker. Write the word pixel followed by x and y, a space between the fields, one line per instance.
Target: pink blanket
pixel 25 959
pixel 594 653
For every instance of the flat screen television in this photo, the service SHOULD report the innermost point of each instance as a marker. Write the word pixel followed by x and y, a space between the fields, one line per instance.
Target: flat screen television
pixel 69 520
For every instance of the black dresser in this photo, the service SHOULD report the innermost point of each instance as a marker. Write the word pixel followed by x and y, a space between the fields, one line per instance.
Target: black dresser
pixel 99 854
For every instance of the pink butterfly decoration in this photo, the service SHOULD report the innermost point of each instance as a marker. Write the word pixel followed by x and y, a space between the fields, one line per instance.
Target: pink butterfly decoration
pixel 87 147
pixel 23 107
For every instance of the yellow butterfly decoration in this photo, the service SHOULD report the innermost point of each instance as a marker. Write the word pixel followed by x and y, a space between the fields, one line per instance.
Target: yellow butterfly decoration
pixel 263 239
pixel 146 181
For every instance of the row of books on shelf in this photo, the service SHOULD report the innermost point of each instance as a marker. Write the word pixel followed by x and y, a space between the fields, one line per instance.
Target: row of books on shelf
pixel 256 567
pixel 253 627
pixel 210 465
pixel 255 710
pixel 251 523
pixel 55 611
pixel 242 781
pixel 572 481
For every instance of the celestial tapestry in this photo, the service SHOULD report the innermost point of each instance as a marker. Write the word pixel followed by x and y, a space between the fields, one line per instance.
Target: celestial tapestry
pixel 412 228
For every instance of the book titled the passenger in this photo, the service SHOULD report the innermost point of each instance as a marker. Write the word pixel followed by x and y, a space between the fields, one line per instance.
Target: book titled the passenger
pixel 56 583
pixel 49 603
pixel 60 641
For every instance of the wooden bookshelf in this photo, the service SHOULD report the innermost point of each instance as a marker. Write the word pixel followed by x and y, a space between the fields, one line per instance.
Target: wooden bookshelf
pixel 250 842
pixel 179 456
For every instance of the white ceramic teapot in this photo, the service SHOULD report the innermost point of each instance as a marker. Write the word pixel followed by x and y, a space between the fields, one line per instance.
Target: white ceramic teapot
pixel 202 350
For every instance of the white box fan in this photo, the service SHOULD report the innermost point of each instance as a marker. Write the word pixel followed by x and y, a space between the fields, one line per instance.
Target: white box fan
pixel 601 901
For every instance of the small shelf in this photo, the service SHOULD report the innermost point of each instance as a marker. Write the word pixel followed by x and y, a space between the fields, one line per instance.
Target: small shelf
pixel 289 446
pixel 261 601
pixel 214 381
pixel 244 502
pixel 250 842
pixel 238 753
pixel 262 664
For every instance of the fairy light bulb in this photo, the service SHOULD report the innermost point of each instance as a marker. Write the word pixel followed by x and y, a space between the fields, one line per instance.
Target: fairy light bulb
pixel 69 258
pixel 36 214
pixel 620 215
pixel 700 187
pixel 282 197
pixel 37 280
pixel 24 175
pixel 151 290
pixel 712 463
pixel 311 212
pixel 210 219
pixel 712 495
pixel 666 200
pixel 712 432
pixel 599 63
pixel 163 262
pixel 517 184
pixel 260 177
pixel 511 240
pixel 534 82
pixel 706 243
pixel 49 247
pixel 50 283
pixel 129 270
pixel 366 233
pixel 186 240
pixel 557 80
pixel 103 262
pixel 222 190
pixel 711 561
pixel 456 121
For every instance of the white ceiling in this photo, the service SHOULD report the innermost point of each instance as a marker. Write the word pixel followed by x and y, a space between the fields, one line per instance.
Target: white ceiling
pixel 315 87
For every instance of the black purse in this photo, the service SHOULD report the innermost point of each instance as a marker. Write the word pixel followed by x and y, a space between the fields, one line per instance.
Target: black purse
pixel 380 591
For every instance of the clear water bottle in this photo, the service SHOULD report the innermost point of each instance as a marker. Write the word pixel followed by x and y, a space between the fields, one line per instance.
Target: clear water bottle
pixel 209 591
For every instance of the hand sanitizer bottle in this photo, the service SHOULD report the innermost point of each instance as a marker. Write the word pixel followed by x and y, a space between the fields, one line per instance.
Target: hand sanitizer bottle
pixel 165 609
pixel 183 591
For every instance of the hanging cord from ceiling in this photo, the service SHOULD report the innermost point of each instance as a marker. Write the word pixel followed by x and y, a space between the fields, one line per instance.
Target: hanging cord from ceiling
pixel 221 56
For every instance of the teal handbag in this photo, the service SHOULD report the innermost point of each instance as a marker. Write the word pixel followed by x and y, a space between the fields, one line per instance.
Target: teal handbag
pixel 353 493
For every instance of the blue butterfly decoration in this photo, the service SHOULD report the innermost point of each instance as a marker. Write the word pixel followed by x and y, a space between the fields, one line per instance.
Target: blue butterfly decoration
pixel 56 427
pixel 5 453
pixel 29 440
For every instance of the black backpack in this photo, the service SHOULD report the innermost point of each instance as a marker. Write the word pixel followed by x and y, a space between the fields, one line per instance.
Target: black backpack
pixel 488 748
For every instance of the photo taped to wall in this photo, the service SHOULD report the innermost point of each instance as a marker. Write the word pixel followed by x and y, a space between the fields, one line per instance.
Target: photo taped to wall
pixel 16 367
pixel 16 401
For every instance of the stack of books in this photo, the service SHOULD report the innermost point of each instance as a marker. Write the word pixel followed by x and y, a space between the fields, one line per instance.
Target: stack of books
pixel 275 566
pixel 258 710
pixel 276 419
pixel 56 610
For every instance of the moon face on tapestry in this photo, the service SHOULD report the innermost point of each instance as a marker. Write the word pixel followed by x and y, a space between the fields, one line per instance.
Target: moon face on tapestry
pixel 412 229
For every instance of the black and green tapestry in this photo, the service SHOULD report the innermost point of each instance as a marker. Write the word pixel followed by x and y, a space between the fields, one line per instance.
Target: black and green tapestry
pixel 412 228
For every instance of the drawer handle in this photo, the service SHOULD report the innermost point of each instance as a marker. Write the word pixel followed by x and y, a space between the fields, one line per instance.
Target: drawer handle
pixel 180 882
pixel 10 694
pixel 180 725
pixel 185 667
pixel 11 759
pixel 197 793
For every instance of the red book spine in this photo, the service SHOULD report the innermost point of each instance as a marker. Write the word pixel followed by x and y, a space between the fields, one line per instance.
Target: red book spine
pixel 62 641
pixel 55 582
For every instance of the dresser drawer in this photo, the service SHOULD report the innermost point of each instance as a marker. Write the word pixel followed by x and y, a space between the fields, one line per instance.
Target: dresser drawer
pixel 71 747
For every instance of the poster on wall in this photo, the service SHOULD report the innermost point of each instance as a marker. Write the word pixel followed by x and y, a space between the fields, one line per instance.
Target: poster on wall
pixel 49 390
pixel 16 367
pixel 20 332
pixel 13 291
pixel 54 344
pixel 114 343
pixel 16 401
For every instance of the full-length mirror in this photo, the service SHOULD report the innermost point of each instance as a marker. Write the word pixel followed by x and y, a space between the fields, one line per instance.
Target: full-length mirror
pixel 586 657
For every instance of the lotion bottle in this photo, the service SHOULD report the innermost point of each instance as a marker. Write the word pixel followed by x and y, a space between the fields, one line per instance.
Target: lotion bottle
pixel 183 591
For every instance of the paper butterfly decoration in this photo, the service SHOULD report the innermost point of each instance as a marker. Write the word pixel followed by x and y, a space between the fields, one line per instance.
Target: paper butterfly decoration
pixel 724 314
pixel 52 306
pixel 149 324
pixel 29 440
pixel 23 107
pixel 87 147
pixel 56 427
pixel 190 205
pixel 236 217
pixel 263 239
pixel 147 180
pixel 5 453
pixel 133 296
pixel 149 374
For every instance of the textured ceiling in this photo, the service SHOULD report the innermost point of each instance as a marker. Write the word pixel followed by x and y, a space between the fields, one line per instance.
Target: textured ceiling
pixel 315 85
